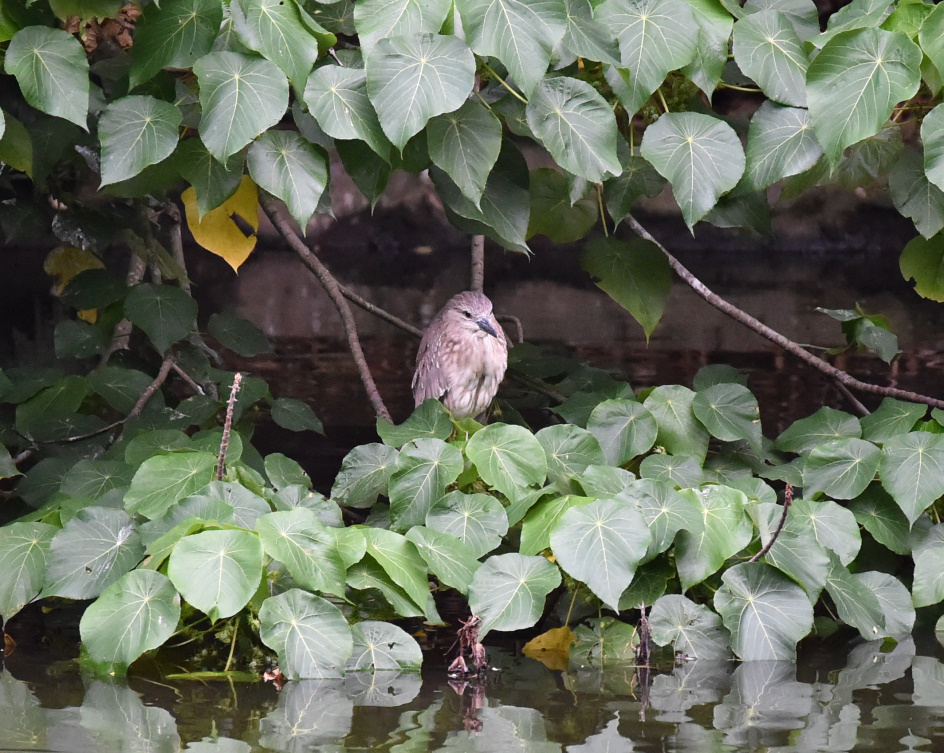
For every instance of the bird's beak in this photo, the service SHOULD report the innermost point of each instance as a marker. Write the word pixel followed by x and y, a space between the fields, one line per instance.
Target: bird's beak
pixel 486 326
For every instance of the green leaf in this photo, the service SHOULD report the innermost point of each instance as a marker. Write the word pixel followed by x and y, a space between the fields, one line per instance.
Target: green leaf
pixel 586 37
pixel 520 33
pixel 92 479
pixel 569 450
pixel 635 274
pixel 803 14
pixel 369 574
pixel 649 585
pixel 912 471
pixel 277 30
pixel 855 603
pixel 53 73
pixel 368 170
pixel 677 471
pixel 877 512
pixel 509 590
pixel 638 179
pixel 295 415
pixel 24 551
pixel 699 155
pixel 780 143
pixel 666 512
pixel 600 544
pixel 95 549
pixel 337 99
pixel 309 634
pixel 173 35
pixel 217 571
pixel 283 472
pixel 624 428
pixel 8 468
pixel 891 418
pixel 411 79
pixel 859 14
pixel 915 196
pixel 478 520
pixel 928 585
pixel 855 82
pixel 303 544
pixel 451 560
pixel 38 416
pixel 136 614
pixel 693 629
pixel 380 646
pixel 711 53
pixel 923 260
pixel 766 613
pixel 213 181
pixel 508 458
pixel 239 335
pixel 78 339
pixel 121 388
pixel 931 37
pixel 726 531
pixel 241 97
pixel 795 551
pixel 136 132
pixel 430 420
pixel 291 169
pixel 93 288
pixel 841 468
pixel 465 144
pixel 679 431
pixel 165 313
pixel 824 425
pixel 730 413
pixel 400 560
pixel 576 125
pixel 655 37
pixel 165 479
pixel 834 527
pixel 364 474
pixel 379 19
pixel 894 600
pixel 423 470
pixel 767 48
pixel 542 518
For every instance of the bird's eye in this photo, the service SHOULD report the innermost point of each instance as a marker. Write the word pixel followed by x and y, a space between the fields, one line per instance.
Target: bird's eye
pixel 466 313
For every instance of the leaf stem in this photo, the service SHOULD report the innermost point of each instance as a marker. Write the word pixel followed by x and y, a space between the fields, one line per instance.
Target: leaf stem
pixel 504 83
pixel 570 609
pixel 665 107
pixel 232 645
pixel 735 87
pixel 606 232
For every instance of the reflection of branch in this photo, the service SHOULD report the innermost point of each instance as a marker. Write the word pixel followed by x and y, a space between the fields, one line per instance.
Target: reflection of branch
pixel 478 263
pixel 775 337
pixel 227 430
pixel 333 289
pixel 787 501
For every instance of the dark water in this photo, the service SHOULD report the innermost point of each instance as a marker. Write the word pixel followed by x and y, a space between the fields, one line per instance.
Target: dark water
pixel 857 699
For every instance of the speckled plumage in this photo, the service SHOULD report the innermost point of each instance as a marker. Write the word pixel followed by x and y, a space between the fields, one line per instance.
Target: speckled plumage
pixel 462 356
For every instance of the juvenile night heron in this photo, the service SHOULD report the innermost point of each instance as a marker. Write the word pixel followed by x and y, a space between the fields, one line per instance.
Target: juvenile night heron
pixel 462 357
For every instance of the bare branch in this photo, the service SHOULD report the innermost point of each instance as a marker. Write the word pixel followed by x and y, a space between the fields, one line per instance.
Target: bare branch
pixel 121 335
pixel 172 212
pixel 519 330
pixel 478 263
pixel 787 501
pixel 152 387
pixel 228 426
pixel 379 312
pixel 775 337
pixel 187 378
pixel 333 289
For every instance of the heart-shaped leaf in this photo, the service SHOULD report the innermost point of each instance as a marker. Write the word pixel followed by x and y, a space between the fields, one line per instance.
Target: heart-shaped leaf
pixel 841 468
pixel 730 413
pixel 912 471
pixel 795 551
pixel 725 532
pixel 364 474
pixel 430 420
pixel 693 629
pixel 680 433
pixel 165 313
pixel 923 260
pixel 174 34
pixel 380 646
pixel 299 540
pixel 666 512
pixel 833 526
pixel 400 560
pixel 914 195
pixel 508 458
pixel 508 591
pixel 465 144
pixel 24 549
pixel 337 98
pixel 767 48
pixel 624 428
pixel 379 19
pixel 878 514
pixel 450 559
pixel 213 181
pixel 891 418
pixel 855 603
pixel 423 470
pixel 136 132
pixel 478 520
pixel 569 450
pixel 824 425
pixel 780 143
pixel 163 480
pixel 290 168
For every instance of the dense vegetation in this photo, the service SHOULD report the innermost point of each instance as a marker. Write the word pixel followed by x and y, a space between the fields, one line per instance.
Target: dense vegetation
pixel 147 493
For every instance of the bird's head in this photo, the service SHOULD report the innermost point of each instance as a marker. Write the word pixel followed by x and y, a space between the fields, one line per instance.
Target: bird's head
pixel 472 312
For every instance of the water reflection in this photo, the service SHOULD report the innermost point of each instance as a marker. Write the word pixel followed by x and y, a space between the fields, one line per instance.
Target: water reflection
pixel 888 701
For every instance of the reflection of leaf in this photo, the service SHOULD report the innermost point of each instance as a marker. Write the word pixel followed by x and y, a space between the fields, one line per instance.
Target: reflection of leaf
pixel 310 713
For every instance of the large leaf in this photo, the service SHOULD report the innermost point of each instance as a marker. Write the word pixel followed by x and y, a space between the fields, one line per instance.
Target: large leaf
pixel 693 629
pixel 465 144
pixel 24 549
pixel 726 530
pixel 586 37
pixel 795 551
pixel 624 428
pixel 711 53
pixel 855 82
pixel 931 36
pixel 241 96
pixel 337 98
pixel 133 615
pixel 891 418
pixel 780 143
pixel 38 417
pixel 824 425
pixel 309 634
pixel 600 544
pixel 912 471
pixel 730 413
pixel 553 212
pixel 569 450
pixel 655 37
pixel 400 560
pixel 95 549
pixel 915 196
pixel 923 260
pixel 877 512
pixel 833 526
pixel 290 168
pixel 520 33
pixel 638 179
pixel 932 135
pixel 699 155
pixel 213 181
pixel 164 479
pixel 174 34
pixel 379 19
pixel 666 512
pixel 478 520
pixel 165 313
pixel 299 540
pixel 423 470
pixel 893 598
pixel 239 335
pixel 451 560
pixel 136 132
pixel 364 474
pixel 217 571
pixel 680 433
pixel 53 73
pixel 508 458
pixel 635 274
pixel 767 48
pixel 430 420
pixel 576 125
pixel 855 603
pixel 411 79
pixel 841 468
pixel 543 518
pixel 766 613
pixel 928 587
pixel 367 573
pixel 509 590
pixel 93 479
pixel 381 646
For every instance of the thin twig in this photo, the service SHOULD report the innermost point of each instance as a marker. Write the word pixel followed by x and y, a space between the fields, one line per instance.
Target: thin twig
pixel 379 312
pixel 187 378
pixel 121 334
pixel 152 388
pixel 519 330
pixel 787 501
pixel 504 83
pixel 856 403
pixel 775 337
pixel 606 233
pixel 228 426
pixel 333 289
pixel 478 263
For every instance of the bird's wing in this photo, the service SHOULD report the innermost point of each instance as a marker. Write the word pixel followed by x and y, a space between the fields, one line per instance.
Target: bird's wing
pixel 429 380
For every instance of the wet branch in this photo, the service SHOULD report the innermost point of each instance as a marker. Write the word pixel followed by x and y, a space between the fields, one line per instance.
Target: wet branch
pixel 775 337
pixel 333 289
pixel 787 501
pixel 478 263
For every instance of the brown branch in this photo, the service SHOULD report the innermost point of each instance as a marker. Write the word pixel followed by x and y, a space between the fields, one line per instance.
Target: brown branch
pixel 519 330
pixel 478 263
pixel 121 334
pixel 333 289
pixel 856 403
pixel 787 501
pixel 379 312
pixel 187 378
pixel 151 388
pixel 775 337
pixel 228 426
pixel 172 212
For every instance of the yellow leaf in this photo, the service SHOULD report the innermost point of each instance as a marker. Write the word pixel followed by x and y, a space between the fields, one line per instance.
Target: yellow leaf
pixel 552 648
pixel 65 262
pixel 217 231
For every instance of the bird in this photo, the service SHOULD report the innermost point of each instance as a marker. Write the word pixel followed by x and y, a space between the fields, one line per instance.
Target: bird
pixel 462 357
